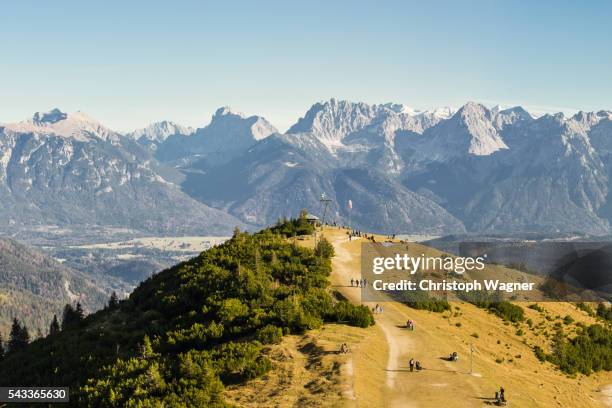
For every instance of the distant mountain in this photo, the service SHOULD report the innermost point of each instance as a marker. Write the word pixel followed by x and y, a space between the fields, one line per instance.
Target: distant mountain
pixel 473 169
pixel 495 170
pixel 155 134
pixel 33 287
pixel 69 170
pixel 228 135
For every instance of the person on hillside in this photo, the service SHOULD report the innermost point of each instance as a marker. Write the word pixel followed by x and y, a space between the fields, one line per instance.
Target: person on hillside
pixel 344 348
pixel 502 395
pixel 411 364
pixel 352 282
pixel 418 366
pixel 365 283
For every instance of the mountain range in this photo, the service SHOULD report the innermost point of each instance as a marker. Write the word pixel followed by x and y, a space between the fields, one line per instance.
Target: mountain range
pixel 475 169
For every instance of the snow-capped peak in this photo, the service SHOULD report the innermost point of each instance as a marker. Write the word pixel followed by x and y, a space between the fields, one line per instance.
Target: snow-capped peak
pixel 77 125
pixel 160 131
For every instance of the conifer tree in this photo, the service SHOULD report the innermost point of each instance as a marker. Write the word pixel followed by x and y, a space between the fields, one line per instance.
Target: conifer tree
pixel 79 311
pixel 113 302
pixel 54 328
pixel 19 336
pixel 71 316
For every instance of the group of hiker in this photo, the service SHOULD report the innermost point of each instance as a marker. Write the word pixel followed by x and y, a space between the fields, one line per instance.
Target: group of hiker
pixel 360 283
pixel 354 233
pixel 500 396
pixel 415 365
pixel 344 348
pixel 377 309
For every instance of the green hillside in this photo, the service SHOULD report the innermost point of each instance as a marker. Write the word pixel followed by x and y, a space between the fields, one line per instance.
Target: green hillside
pixel 186 332
pixel 34 287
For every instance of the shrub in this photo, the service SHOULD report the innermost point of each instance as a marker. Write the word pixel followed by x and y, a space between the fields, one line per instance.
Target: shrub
pixel 420 300
pixel 536 307
pixel 359 316
pixel 540 354
pixel 270 334
pixel 324 248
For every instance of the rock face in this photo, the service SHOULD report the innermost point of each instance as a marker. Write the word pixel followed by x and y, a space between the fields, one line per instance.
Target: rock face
pixel 156 133
pixel 228 135
pixel 478 169
pixel 67 169
pixel 406 171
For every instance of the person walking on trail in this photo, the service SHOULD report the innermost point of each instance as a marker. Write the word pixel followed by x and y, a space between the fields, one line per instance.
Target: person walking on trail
pixel 352 282
pixel 411 364
pixel 418 366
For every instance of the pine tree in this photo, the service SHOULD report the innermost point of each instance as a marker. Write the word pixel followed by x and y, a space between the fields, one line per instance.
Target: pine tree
pixel 113 302
pixel 19 337
pixel 145 350
pixel 55 327
pixel 79 311
pixel 72 316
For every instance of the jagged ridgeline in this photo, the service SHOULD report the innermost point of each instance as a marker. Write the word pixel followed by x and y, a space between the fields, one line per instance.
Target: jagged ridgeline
pixel 187 331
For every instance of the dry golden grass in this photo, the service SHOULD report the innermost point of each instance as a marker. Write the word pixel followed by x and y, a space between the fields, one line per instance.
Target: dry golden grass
pixel 528 382
pixel 308 372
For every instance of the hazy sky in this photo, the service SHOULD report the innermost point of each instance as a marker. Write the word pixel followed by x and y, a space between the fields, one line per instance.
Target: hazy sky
pixel 131 63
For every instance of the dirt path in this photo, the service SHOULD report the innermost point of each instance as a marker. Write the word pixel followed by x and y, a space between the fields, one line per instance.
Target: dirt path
pixel 441 382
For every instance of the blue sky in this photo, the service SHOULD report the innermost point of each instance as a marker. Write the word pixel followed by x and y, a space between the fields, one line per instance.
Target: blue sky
pixel 131 63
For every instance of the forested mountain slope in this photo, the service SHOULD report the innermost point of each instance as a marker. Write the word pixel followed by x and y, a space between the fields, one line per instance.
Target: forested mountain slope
pixel 188 330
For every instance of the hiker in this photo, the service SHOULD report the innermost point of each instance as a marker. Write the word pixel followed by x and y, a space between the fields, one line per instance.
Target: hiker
pixel 352 282
pixel 344 348
pixel 418 366
pixel 502 396
pixel 409 324
pixel 365 282
pixel 453 356
pixel 411 364
pixel 376 308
